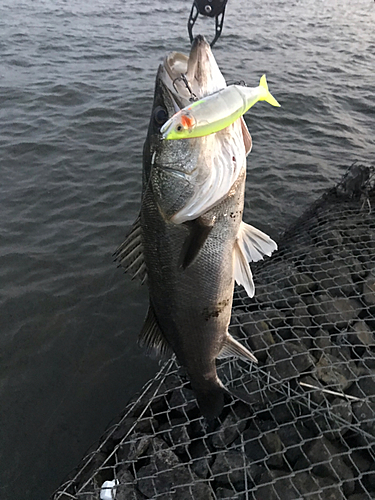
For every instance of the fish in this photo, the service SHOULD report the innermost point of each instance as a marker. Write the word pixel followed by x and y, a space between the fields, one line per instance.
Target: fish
pixel 189 243
pixel 216 111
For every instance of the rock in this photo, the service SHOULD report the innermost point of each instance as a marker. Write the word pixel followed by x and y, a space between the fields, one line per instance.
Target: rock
pixel 327 461
pixel 362 463
pixel 303 283
pixel 259 337
pixel 233 425
pixel 253 448
pixel 360 334
pixel 182 399
pixel 314 392
pixel 333 312
pixel 176 434
pixel 369 289
pixel 230 467
pixel 229 494
pixel 369 478
pixel 334 277
pixel 261 395
pixel 323 342
pixel 356 496
pixel 134 447
pixel 364 413
pixel 331 489
pixel 334 373
pixel 126 489
pixel 292 437
pixel 289 360
pixel 280 485
pixel 301 316
pixel 366 362
pixel 337 419
pixel 202 458
pixel 166 477
pixel 273 317
pixel 364 387
pixel 274 447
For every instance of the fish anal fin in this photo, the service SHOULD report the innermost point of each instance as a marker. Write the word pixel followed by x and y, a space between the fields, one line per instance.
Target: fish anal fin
pixel 248 142
pixel 199 229
pixel 129 255
pixel 232 347
pixel 152 339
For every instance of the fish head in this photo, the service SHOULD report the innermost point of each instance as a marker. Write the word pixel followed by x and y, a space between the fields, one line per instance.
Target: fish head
pixel 188 177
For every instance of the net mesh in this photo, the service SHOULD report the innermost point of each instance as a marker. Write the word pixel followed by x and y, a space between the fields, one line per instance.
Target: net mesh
pixel 309 432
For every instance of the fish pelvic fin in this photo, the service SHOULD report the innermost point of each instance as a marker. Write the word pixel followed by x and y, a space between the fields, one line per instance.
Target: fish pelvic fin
pixel 232 347
pixel 251 245
pixel 266 94
pixel 152 339
pixel 129 255
pixel 199 230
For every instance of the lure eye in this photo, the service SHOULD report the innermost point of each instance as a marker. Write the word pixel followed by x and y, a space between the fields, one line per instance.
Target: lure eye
pixel 179 128
pixel 160 115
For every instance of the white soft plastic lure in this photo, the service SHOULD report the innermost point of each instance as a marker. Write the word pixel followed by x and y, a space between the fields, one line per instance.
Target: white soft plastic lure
pixel 216 111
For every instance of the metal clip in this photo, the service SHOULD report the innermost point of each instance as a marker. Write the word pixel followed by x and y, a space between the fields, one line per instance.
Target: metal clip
pixel 209 8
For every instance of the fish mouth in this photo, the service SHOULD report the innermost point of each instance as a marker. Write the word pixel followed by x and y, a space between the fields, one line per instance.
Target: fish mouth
pixel 192 77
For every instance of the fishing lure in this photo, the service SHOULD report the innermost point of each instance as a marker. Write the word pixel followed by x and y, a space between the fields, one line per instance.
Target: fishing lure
pixel 216 111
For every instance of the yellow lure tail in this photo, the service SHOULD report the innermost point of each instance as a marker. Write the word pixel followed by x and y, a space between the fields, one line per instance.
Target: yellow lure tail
pixel 267 96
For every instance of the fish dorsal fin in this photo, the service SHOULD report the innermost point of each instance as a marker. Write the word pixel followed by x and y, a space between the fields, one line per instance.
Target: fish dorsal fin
pixel 152 339
pixel 246 136
pixel 251 245
pixel 232 347
pixel 199 229
pixel 129 255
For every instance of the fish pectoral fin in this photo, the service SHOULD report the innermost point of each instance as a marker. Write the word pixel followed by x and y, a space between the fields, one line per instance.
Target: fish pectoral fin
pixel 251 245
pixel 255 243
pixel 242 271
pixel 199 229
pixel 233 348
pixel 129 255
pixel 248 142
pixel 152 339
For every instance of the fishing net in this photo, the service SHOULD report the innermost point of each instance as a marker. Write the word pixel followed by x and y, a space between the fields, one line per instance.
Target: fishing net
pixel 309 432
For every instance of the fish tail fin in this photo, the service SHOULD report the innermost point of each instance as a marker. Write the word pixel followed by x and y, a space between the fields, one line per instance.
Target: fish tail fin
pixel 211 401
pixel 240 394
pixel 266 94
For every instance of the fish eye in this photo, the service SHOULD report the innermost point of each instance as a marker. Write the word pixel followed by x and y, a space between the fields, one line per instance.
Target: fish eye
pixel 160 115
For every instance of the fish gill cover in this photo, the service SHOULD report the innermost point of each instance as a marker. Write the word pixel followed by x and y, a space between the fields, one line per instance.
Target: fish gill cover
pixel 310 430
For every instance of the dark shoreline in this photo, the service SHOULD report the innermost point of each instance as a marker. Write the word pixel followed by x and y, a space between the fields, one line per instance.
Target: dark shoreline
pixel 310 429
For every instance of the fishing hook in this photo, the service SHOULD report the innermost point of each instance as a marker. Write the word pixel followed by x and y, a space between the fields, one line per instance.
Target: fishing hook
pixel 182 78
pixel 209 8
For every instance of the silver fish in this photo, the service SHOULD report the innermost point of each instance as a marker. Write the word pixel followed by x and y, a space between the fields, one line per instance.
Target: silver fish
pixel 189 242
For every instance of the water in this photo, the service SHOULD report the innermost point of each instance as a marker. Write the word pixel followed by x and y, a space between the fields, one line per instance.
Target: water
pixel 76 88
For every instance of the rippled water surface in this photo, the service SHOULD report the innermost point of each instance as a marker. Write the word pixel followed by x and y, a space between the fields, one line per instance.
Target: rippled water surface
pixel 76 88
